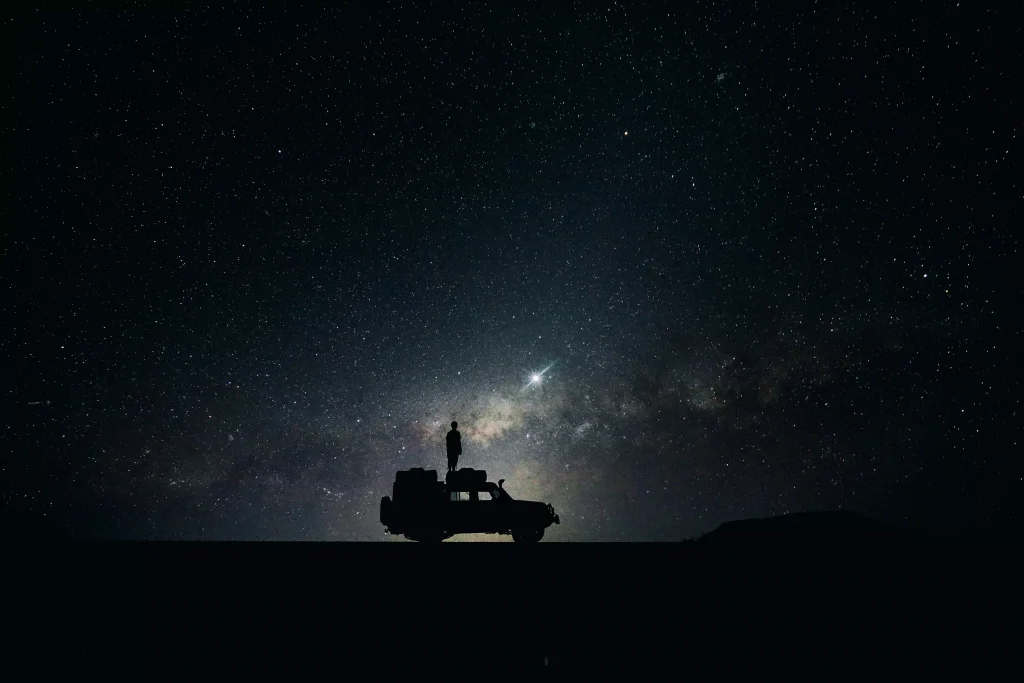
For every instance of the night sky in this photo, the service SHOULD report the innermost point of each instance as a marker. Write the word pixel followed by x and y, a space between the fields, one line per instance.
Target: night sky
pixel 764 254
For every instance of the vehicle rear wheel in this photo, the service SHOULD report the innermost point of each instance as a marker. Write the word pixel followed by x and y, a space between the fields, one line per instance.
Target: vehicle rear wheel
pixel 429 537
pixel 527 535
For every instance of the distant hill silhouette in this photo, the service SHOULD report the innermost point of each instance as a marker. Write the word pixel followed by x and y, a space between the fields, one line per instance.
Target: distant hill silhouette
pixel 833 527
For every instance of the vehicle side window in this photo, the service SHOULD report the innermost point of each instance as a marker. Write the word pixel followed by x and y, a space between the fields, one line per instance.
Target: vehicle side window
pixel 465 496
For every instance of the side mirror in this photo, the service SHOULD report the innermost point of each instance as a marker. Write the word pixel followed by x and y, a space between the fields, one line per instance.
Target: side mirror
pixel 500 482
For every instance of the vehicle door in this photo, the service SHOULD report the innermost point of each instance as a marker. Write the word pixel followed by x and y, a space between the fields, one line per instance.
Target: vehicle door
pixel 485 513
pixel 503 510
pixel 460 513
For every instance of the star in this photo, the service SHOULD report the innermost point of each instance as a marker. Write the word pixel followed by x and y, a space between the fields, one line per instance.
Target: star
pixel 757 351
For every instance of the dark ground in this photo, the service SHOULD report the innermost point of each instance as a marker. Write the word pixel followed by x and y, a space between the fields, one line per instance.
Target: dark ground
pixel 767 597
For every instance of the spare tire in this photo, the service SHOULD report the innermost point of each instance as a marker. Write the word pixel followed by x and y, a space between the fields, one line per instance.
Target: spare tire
pixel 385 511
pixel 527 535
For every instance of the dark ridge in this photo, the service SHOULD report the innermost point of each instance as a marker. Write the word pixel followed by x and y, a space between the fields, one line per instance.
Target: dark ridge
pixel 839 526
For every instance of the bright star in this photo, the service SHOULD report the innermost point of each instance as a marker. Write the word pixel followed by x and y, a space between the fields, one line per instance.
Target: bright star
pixel 535 378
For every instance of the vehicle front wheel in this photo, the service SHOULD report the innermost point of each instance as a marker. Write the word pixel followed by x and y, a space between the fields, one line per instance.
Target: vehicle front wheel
pixel 527 535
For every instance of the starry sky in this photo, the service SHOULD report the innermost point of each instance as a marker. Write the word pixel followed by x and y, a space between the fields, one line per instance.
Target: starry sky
pixel 762 253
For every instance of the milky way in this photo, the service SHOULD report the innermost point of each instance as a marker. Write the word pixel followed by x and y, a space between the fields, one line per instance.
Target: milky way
pixel 758 258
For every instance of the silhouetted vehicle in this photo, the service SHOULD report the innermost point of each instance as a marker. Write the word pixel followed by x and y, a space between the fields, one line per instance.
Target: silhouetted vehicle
pixel 424 509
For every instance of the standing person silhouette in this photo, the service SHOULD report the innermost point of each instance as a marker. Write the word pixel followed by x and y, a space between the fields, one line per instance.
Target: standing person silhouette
pixel 454 441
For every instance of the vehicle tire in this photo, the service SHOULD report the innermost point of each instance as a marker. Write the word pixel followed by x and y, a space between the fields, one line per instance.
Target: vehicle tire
pixel 527 535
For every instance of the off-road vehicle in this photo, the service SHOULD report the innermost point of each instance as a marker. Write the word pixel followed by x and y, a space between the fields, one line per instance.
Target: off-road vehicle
pixel 422 508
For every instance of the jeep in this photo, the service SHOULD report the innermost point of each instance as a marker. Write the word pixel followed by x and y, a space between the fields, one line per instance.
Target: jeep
pixel 421 508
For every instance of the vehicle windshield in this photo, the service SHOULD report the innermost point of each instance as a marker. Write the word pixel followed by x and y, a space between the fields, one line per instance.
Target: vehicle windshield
pixel 498 493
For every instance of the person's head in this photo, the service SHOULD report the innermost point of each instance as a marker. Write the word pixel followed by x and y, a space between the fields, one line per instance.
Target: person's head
pixel 455 425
